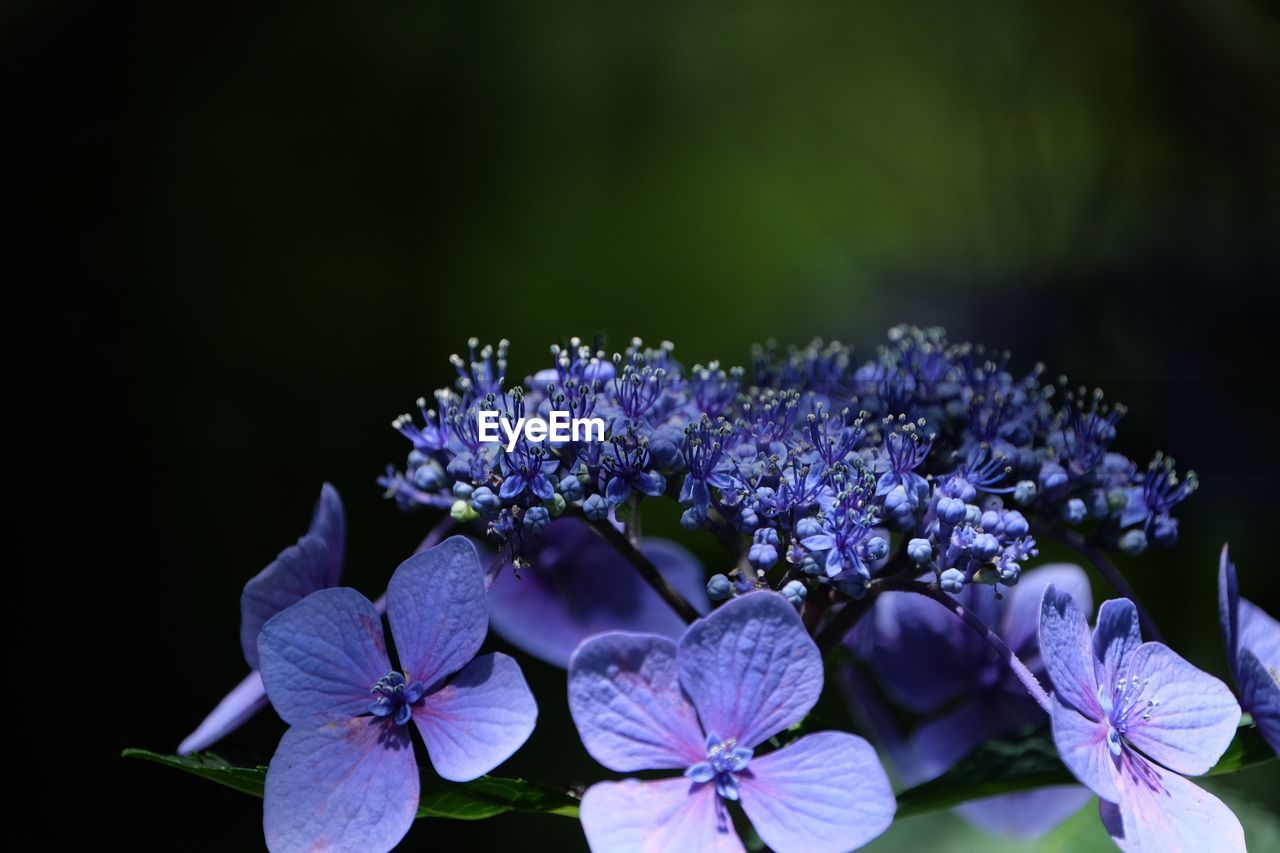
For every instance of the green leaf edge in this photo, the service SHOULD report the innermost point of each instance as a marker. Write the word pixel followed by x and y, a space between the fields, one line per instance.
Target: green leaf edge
pixel 970 779
pixel 967 780
pixel 482 798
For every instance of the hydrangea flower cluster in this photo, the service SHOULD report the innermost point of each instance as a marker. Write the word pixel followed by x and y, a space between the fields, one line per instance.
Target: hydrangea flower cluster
pixel 811 458
pixel 886 510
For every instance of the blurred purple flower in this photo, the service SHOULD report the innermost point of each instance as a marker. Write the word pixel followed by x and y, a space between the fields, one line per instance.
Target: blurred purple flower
pixel 1253 650
pixel 577 586
pixel 704 705
pixel 928 661
pixel 344 775
pixel 315 562
pixel 1129 717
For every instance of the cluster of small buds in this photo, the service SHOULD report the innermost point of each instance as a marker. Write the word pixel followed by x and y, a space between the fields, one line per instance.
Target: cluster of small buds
pixel 813 461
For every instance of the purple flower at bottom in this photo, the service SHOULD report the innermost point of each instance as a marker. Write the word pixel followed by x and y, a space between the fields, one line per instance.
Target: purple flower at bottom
pixel 931 663
pixel 1128 718
pixel 577 586
pixel 1253 650
pixel 704 706
pixel 314 563
pixel 344 775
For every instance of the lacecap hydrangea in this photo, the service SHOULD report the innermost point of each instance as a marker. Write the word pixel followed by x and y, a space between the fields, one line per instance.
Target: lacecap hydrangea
pixel 806 463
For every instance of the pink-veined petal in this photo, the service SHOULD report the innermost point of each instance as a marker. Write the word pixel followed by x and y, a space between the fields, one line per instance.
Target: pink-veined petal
pixel 625 697
pixel 656 817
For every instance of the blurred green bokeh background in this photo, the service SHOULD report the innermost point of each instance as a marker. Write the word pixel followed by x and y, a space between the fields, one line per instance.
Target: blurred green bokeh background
pixel 258 230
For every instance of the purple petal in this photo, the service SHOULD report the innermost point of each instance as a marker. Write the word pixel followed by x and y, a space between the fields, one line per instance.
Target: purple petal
pixel 1082 746
pixel 750 668
pixel 624 694
pixel 437 608
pixel 1259 633
pixel 909 631
pixel 1260 695
pixel 246 699
pixel 347 785
pixel 1067 652
pixel 1022 602
pixel 578 587
pixel 940 743
pixel 329 523
pixel 1026 814
pixel 1184 718
pixel 1116 636
pixel 1228 605
pixel 321 656
pixel 297 572
pixel 477 720
pixel 647 817
pixel 825 792
pixel 1171 815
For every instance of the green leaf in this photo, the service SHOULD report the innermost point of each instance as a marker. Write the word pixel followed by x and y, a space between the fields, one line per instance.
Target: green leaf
pixel 1031 761
pixel 476 800
pixel 206 765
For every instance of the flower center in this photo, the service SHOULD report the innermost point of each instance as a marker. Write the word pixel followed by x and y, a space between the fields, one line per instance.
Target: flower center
pixel 395 697
pixel 1127 702
pixel 725 760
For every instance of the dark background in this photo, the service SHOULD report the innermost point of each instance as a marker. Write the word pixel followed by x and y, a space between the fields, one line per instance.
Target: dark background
pixel 248 236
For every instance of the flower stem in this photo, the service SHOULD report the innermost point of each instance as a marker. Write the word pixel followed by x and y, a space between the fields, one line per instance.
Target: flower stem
pixel 1105 568
pixel 971 619
pixel 642 564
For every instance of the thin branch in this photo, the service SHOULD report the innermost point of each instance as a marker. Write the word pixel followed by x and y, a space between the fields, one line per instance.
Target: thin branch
pixel 899 567
pixel 971 619
pixel 1105 568
pixel 642 564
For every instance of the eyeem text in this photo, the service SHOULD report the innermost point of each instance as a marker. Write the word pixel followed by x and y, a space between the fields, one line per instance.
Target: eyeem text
pixel 560 427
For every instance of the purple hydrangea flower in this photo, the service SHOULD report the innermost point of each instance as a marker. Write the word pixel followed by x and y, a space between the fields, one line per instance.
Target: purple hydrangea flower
pixel 344 775
pixel 933 664
pixel 576 586
pixel 1253 650
pixel 314 563
pixel 704 706
pixel 1129 718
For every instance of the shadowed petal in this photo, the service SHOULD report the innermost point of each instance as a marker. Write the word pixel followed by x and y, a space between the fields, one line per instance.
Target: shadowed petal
pixel 246 699
pixel 1259 633
pixel 297 572
pixel 750 668
pixel 1174 815
pixel 1067 652
pixel 1191 718
pixel 345 785
pixel 321 656
pixel 1082 746
pixel 625 697
pixel 1026 814
pixel 940 743
pixel 1116 636
pixel 329 523
pixel 825 792
pixel 909 630
pixel 1260 694
pixel 578 587
pixel 437 609
pixel 477 720
pixel 1228 606
pixel 654 817
pixel 1022 602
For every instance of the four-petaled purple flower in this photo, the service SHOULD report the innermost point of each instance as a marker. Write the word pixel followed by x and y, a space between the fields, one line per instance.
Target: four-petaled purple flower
pixel 314 563
pixel 1128 718
pixel 704 706
pixel 344 775
pixel 1253 651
